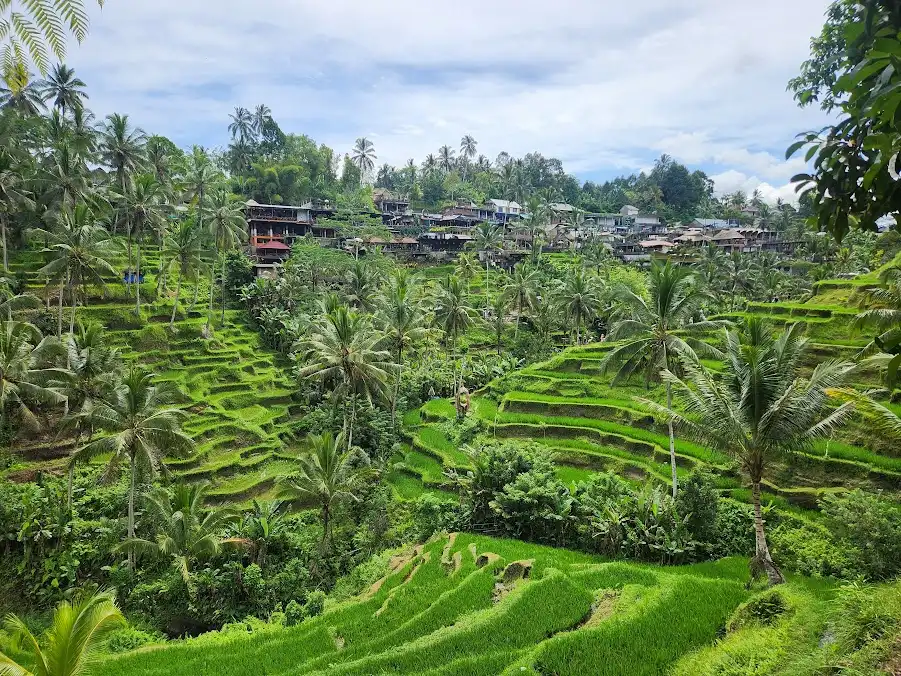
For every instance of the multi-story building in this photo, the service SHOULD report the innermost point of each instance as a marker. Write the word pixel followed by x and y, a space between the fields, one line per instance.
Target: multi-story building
pixel 273 228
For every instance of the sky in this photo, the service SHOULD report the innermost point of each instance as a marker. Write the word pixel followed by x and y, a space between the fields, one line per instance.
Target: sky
pixel 605 86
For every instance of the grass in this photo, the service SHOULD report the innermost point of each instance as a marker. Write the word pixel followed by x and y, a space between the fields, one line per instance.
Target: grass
pixel 439 611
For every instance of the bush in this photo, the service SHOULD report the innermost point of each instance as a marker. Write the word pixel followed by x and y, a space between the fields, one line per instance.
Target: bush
pixel 294 614
pixel 869 526
pixel 152 338
pixel 734 530
pixel 434 514
pixel 122 319
pixel 698 502
pixel 123 640
pixel 763 609
pixel 315 604
pixel 810 549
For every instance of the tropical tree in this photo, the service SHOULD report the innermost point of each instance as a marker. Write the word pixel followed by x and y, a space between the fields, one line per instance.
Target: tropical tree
pixel 241 126
pixel 522 289
pixel 657 331
pixel 186 530
pixel 141 430
pixel 63 89
pixel 344 351
pixel 760 407
pixel 466 267
pixel 229 229
pixel 363 156
pixel 81 252
pixel 121 149
pixel 452 313
pixel 73 641
pixel 20 93
pixel 581 297
pixel 498 319
pixel 14 195
pixel 325 477
pixel 446 158
pixel 403 321
pixel 27 374
pixel 184 250
pixel 261 525
pixel 64 177
pixel 144 209
pixel 488 238
pixel 362 285
pixel 467 151
pixel 262 115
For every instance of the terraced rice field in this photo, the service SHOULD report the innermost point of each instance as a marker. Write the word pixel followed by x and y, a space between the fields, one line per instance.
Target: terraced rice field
pixel 463 604
pixel 592 426
pixel 237 396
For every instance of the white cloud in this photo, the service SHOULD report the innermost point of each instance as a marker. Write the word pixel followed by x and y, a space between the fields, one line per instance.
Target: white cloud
pixel 604 88
pixel 732 180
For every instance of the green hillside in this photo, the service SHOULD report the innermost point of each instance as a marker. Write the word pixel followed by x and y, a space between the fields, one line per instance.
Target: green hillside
pixel 464 604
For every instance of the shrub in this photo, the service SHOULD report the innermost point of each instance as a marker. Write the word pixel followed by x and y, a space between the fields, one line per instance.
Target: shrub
pixel 152 338
pixel 433 514
pixel 734 530
pixel 123 640
pixel 293 613
pixel 869 525
pixel 698 501
pixel 315 604
pixel 122 319
pixel 810 549
pixel 763 609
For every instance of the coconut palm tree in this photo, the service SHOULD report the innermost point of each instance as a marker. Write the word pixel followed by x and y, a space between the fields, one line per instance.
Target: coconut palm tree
pixel 200 175
pixel 452 313
pixel 27 374
pixel 657 331
pixel 144 210
pixel 522 289
pixel 63 89
pixel 466 267
pixel 241 126
pixel 344 351
pixel 362 285
pixel 498 319
pixel 65 177
pixel 262 525
pixel 14 195
pixel 72 643
pixel 81 252
pixel 262 116
pixel 229 229
pixel 141 431
pixel 325 477
pixel 186 530
pixel 184 250
pixel 363 156
pixel 430 163
pixel 160 161
pixel 20 93
pixel 488 238
pixel 581 297
pixel 122 149
pixel 403 321
pixel 467 151
pixel 759 408
pixel 446 158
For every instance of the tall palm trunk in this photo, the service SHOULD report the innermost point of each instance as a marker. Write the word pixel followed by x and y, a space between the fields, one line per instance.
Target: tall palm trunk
pixel 222 293
pixel 672 439
pixel 209 314
pixel 175 304
pixel 63 283
pixel 3 231
pixel 400 370
pixel 196 292
pixel 762 559
pixel 131 511
pixel 353 420
pixel 487 304
pixel 138 275
pixel 518 317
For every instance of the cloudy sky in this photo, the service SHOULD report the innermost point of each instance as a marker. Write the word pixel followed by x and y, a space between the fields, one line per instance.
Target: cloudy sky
pixel 605 86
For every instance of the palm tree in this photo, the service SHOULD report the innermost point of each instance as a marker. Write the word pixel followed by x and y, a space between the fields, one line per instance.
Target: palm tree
pixel 13 196
pixel 466 268
pixel 140 431
pixel 93 370
pixel 262 525
pixel 498 319
pixel 738 272
pixel 159 161
pixel 362 285
pixel 711 266
pixel 364 156
pixel 27 374
pixel 758 408
pixel 184 250
pixel 200 175
pixel 73 641
pixel 452 313
pixel 144 210
pixel 262 116
pixel 467 151
pixel 64 89
pixel 430 163
pixel 187 530
pixel 345 352
pixel 488 238
pixel 522 288
pixel 657 332
pixel 404 323
pixel 581 297
pixel 20 93
pixel 326 477
pixel 65 176
pixel 229 229
pixel 446 158
pixel 241 126
pixel 81 252
pixel 121 149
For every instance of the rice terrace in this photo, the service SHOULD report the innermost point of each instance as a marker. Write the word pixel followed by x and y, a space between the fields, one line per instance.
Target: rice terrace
pixel 278 401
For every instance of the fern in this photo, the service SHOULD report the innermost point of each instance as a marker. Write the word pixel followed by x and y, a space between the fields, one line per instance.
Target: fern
pixel 32 30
